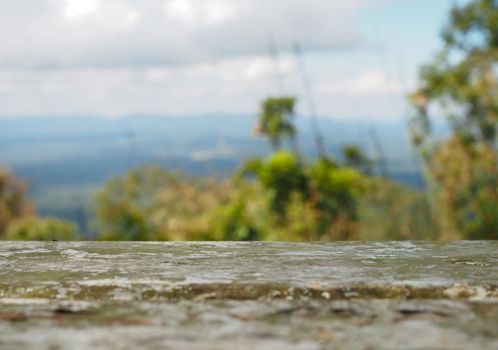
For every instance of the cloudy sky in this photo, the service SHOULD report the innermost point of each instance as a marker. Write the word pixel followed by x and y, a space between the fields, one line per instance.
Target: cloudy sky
pixel 114 58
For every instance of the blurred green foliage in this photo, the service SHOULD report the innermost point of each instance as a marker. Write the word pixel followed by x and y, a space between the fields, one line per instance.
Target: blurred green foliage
pixel 391 211
pixel 462 84
pixel 14 204
pixel 17 216
pixel 150 203
pixel 275 121
pixel 126 203
pixel 281 197
pixel 41 229
pixel 281 176
pixel 355 158
pixel 337 203
pixel 335 194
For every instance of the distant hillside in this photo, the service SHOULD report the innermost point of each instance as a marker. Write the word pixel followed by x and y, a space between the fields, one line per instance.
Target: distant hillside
pixel 66 159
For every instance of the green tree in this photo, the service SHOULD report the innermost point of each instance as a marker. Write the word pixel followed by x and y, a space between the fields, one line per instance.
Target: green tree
pixel 462 85
pixel 462 82
pixel 355 158
pixel 317 199
pixel 276 121
pixel 281 175
pixel 334 195
pixel 125 204
pixel 150 203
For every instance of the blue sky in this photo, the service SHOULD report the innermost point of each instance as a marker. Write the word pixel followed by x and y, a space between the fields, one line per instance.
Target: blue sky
pixel 399 37
pixel 411 26
pixel 114 58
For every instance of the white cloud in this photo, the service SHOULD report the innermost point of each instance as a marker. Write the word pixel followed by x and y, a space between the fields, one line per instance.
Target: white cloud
pixel 230 85
pixel 235 85
pixel 119 57
pixel 54 33
pixel 80 7
pixel 369 83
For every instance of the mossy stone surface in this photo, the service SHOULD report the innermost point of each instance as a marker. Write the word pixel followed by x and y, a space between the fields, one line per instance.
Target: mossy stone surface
pixel 362 295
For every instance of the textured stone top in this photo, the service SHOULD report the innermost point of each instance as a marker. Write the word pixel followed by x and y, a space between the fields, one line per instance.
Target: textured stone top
pixel 248 295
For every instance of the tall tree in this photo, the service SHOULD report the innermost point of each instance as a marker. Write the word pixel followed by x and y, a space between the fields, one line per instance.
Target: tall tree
pixel 462 82
pixel 276 121
pixel 462 85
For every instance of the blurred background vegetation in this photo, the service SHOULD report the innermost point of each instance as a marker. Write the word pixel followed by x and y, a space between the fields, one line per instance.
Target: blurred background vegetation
pixel 290 194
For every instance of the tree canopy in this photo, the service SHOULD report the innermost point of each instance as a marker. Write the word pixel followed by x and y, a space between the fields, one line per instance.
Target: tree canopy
pixel 462 85
pixel 275 120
